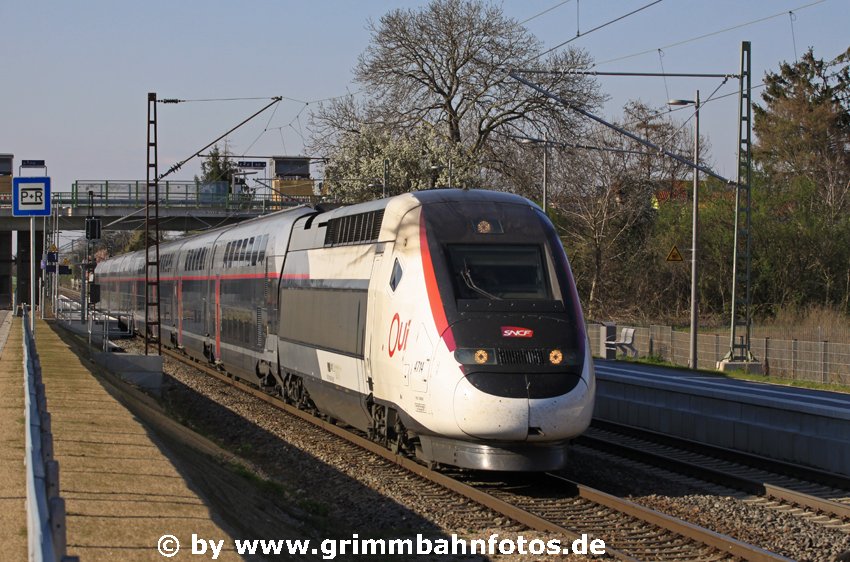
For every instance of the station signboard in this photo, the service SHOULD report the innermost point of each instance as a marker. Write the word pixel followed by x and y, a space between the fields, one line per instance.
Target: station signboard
pixel 31 197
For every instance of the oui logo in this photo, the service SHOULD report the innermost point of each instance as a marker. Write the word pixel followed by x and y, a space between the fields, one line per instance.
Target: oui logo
pixel 516 332
pixel 398 334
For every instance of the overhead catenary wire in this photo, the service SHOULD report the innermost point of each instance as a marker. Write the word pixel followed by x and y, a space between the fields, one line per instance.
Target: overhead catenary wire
pixel 710 98
pixel 177 100
pixel 793 17
pixel 262 133
pixel 546 11
pixel 570 145
pixel 754 87
pixel 180 164
pixel 688 120
pixel 710 34
pixel 299 131
pixel 643 74
pixel 661 62
pixel 598 27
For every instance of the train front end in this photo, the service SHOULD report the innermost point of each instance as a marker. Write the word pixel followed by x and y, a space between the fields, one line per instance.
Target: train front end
pixel 509 375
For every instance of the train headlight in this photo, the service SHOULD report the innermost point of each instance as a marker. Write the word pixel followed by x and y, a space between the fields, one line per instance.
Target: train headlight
pixel 479 356
pixel 556 357
pixel 487 226
pixel 484 227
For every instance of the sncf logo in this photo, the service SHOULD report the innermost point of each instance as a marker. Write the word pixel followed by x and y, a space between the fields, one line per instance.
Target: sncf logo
pixel 516 332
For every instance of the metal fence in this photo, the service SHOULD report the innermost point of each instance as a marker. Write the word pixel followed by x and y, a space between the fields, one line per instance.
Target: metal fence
pixel 68 310
pixel 815 361
pixel 45 508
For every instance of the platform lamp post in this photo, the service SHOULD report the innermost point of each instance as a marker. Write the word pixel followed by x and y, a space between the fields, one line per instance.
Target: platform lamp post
pixel 692 356
pixel 545 143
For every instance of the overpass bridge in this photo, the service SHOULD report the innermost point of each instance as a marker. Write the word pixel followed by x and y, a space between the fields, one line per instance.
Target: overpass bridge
pixel 183 206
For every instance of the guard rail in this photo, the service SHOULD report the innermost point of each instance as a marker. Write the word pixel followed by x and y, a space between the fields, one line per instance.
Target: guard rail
pixel 45 508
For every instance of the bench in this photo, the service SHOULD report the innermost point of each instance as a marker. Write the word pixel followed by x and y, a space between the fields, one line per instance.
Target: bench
pixel 626 343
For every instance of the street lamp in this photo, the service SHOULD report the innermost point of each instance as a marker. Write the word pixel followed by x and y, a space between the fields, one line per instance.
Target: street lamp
pixel 545 142
pixel 692 357
pixel 435 171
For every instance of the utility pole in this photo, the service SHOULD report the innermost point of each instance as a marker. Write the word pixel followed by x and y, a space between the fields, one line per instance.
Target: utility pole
pixel 545 175
pixel 695 243
pixel 692 355
pixel 386 176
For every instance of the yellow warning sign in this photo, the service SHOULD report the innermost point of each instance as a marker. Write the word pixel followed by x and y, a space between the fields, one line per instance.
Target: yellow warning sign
pixel 674 255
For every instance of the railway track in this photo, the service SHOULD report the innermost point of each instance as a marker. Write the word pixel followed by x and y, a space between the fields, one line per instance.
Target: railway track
pixel 70 293
pixel 549 503
pixel 821 497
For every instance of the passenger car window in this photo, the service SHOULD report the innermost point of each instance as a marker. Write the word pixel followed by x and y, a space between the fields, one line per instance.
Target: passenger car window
pixel 395 278
pixel 255 249
pixel 263 243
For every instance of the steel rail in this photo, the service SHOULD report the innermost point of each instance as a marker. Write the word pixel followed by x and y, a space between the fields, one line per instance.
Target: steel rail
pixel 519 515
pixel 779 467
pixel 718 476
pixel 704 536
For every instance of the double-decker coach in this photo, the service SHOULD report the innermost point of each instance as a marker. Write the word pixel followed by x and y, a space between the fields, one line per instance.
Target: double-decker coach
pixel 443 323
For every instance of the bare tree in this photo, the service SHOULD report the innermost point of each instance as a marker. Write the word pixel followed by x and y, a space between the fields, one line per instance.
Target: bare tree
pixel 604 190
pixel 441 72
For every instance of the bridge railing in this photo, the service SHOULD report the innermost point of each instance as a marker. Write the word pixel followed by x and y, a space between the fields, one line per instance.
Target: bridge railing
pixel 175 194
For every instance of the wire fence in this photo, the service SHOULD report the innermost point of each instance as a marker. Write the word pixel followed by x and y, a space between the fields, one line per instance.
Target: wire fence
pixel 803 360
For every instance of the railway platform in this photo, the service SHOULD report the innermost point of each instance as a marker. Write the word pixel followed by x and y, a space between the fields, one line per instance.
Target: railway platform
pixel 122 488
pixel 13 515
pixel 799 425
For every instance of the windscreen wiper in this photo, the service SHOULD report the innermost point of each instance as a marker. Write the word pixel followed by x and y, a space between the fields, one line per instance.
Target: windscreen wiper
pixel 467 278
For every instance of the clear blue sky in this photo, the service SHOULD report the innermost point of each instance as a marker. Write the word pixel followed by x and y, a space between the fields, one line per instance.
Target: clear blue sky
pixel 75 75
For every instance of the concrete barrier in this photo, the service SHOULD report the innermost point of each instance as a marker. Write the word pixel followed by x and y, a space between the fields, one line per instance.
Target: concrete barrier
pixel 769 421
pixel 144 371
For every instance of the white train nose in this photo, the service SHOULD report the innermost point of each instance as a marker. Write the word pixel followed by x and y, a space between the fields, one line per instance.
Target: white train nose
pixel 486 416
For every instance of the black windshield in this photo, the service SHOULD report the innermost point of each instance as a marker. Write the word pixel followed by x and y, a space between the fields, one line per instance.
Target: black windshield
pixel 498 272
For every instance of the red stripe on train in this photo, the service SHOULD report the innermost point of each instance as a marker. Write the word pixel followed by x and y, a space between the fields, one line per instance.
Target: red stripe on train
pixel 437 309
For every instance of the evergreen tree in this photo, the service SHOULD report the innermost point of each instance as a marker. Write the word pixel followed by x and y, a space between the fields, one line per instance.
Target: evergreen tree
pixel 218 166
pixel 802 196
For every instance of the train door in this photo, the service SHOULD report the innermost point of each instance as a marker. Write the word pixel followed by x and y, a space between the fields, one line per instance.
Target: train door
pixel 380 321
pixel 216 315
pixel 372 305
pixel 178 284
pixel 175 310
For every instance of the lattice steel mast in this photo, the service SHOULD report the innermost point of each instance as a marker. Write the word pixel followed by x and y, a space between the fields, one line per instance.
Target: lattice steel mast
pixel 152 331
pixel 739 338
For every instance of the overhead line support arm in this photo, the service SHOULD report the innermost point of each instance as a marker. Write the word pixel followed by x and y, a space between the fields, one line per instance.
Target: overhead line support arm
pixel 649 74
pixel 179 165
pixel 573 106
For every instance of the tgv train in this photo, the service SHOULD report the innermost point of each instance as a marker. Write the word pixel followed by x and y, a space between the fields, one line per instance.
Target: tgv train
pixel 443 323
